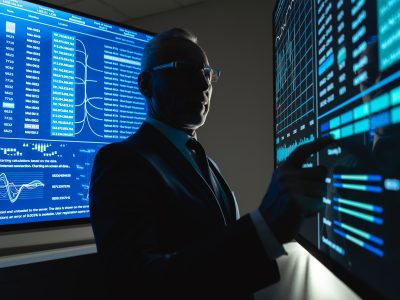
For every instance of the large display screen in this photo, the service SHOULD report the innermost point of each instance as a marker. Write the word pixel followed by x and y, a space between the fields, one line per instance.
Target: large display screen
pixel 68 86
pixel 337 72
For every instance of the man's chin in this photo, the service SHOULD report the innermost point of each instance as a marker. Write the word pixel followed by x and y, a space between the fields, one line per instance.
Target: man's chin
pixel 193 123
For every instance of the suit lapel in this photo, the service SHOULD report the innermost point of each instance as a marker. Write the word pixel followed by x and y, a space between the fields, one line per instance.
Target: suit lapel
pixel 164 148
pixel 226 192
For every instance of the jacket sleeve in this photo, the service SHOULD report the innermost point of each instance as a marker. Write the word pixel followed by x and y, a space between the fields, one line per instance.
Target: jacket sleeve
pixel 123 192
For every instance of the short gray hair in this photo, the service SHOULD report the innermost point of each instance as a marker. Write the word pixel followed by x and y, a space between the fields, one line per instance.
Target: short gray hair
pixel 152 47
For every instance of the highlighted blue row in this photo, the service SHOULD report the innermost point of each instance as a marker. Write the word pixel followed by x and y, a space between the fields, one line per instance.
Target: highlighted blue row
pixel 359 232
pixel 359 177
pixel 361 205
pixel 360 243
pixel 359 119
pixel 379 120
pixel 375 106
pixel 359 187
pixel 326 65
pixel 359 215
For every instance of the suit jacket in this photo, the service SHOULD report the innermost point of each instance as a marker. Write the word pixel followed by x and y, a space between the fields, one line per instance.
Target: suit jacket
pixel 159 229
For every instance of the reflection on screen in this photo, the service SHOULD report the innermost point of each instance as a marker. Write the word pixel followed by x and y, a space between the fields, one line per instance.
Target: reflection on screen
pixel 68 88
pixel 337 72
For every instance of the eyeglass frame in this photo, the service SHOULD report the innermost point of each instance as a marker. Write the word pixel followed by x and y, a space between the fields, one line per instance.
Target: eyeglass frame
pixel 178 65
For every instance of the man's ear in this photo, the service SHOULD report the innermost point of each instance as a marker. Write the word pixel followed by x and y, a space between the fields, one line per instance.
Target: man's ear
pixel 145 84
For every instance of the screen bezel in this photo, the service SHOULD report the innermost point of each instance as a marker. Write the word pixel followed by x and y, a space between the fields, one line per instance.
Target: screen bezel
pixel 357 285
pixel 77 221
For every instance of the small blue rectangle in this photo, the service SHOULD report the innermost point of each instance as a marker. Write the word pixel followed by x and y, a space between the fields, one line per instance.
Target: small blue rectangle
pixel 396 115
pixel 347 130
pixel 326 65
pixel 374 250
pixel 361 111
pixel 378 209
pixel 374 189
pixel 346 117
pixel 8 105
pixel 277 141
pixel 338 185
pixel 375 178
pixel 380 120
pixel 335 122
pixel 337 223
pixel 324 126
pixel 380 103
pixel 339 232
pixel 376 240
pixel 342 53
pixel 361 126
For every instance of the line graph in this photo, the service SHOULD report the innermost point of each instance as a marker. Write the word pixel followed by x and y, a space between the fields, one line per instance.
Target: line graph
pixel 89 108
pixel 294 66
pixel 13 190
pixel 283 26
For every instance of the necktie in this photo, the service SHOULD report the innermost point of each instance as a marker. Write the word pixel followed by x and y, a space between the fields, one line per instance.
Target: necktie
pixel 201 159
pixel 202 162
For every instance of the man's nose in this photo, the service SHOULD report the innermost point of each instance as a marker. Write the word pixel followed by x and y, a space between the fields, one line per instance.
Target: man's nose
pixel 204 82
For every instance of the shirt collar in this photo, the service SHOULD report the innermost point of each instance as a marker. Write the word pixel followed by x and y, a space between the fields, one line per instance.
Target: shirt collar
pixel 176 136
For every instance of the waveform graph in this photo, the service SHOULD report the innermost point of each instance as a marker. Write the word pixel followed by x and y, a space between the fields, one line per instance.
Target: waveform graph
pixel 19 186
pixel 294 72
pixel 89 110
pixel 284 151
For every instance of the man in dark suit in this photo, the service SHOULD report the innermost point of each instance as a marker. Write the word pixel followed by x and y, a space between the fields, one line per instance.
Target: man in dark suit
pixel 165 222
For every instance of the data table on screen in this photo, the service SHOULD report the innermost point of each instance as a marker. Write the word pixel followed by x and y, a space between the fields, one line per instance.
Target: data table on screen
pixel 350 91
pixel 69 89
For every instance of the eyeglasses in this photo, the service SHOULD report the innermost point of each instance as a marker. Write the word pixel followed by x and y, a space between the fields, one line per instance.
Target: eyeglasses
pixel 211 74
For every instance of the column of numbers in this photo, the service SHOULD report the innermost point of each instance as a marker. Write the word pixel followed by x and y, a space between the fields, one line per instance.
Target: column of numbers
pixel 8 104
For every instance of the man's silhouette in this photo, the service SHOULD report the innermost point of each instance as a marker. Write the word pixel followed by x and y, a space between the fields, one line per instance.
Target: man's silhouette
pixel 165 221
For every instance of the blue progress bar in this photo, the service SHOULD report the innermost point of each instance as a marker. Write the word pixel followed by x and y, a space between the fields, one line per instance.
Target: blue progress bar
pixel 359 232
pixel 380 84
pixel 359 215
pixel 359 177
pixel 365 206
pixel 359 187
pixel 359 242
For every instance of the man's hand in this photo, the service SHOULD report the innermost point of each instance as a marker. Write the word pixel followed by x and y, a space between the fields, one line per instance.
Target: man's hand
pixel 294 192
